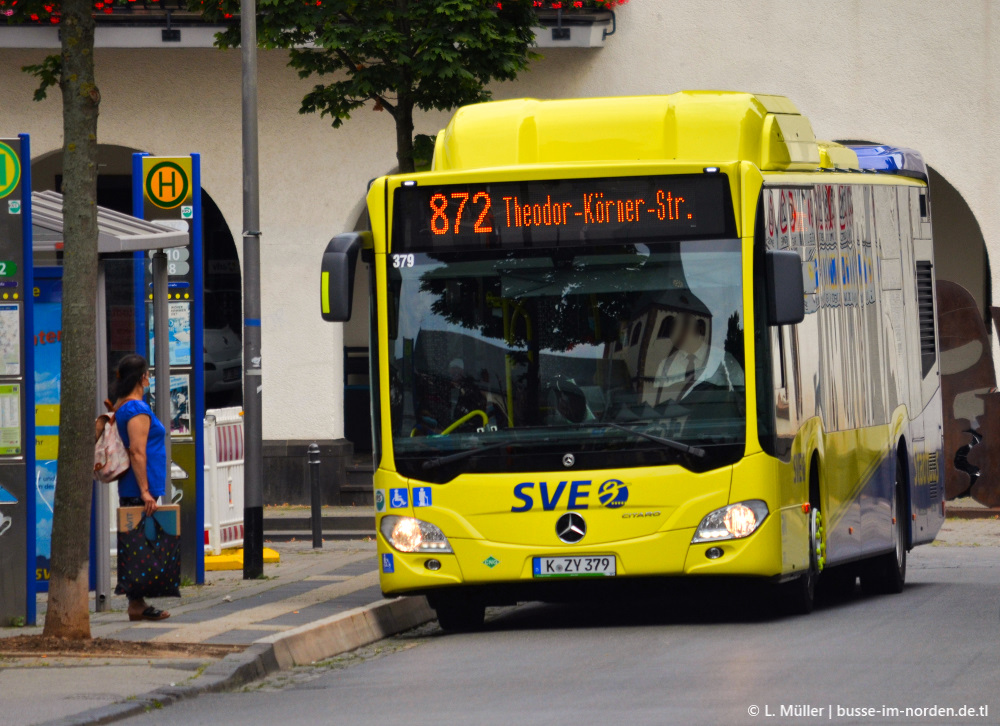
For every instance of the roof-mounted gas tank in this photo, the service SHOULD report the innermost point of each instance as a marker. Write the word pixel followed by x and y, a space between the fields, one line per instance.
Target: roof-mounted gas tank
pixel 698 126
pixel 891 160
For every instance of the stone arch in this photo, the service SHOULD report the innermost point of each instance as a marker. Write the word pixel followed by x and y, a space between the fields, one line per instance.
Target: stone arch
pixel 960 252
pixel 223 278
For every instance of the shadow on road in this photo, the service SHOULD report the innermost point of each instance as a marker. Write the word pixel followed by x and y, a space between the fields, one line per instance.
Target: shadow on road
pixel 677 602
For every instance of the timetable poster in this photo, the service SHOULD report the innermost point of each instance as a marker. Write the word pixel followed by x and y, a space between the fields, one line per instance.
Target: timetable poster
pixel 10 339
pixel 179 331
pixel 48 380
pixel 10 420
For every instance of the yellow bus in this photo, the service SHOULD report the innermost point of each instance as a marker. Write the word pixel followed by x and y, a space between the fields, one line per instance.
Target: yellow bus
pixel 647 337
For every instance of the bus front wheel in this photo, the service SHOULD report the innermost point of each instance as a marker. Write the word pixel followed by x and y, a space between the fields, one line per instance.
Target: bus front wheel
pixel 887 573
pixel 801 592
pixel 458 614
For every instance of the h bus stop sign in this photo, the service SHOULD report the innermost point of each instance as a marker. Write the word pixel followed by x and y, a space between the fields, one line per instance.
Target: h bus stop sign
pixel 167 190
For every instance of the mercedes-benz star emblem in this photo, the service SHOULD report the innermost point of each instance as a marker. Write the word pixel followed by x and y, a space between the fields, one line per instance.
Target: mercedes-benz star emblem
pixel 568 460
pixel 571 528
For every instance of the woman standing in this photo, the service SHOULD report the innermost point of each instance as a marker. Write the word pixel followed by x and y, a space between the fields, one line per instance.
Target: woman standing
pixel 145 438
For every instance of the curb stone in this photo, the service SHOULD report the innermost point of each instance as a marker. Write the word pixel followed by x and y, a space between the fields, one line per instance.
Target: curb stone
pixel 346 631
pixel 306 644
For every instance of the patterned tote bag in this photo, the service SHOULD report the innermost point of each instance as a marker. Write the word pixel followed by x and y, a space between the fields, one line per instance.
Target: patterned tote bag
pixel 149 561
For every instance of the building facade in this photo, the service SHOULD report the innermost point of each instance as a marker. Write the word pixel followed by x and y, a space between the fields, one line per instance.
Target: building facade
pixel 919 74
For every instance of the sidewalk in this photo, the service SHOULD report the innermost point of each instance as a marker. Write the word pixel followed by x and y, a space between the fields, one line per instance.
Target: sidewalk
pixel 311 605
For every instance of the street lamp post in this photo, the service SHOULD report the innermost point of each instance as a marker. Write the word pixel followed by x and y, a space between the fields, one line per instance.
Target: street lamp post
pixel 253 503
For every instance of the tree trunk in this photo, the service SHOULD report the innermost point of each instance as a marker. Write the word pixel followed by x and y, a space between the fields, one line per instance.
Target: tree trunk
pixel 404 135
pixel 68 614
pixel 404 100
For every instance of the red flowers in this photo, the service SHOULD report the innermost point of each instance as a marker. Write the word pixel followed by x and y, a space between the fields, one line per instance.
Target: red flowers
pixel 572 4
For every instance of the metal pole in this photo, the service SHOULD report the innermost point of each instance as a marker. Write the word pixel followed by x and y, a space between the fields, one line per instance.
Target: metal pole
pixel 161 354
pixel 253 492
pixel 314 493
pixel 102 517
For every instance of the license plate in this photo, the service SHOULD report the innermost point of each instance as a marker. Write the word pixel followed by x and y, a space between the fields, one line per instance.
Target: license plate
pixel 232 374
pixel 583 566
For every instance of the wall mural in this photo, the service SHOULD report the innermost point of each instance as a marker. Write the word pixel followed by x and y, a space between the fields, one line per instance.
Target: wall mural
pixel 969 396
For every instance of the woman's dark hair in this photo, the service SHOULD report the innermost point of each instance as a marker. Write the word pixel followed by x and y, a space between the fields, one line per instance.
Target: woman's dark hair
pixel 131 369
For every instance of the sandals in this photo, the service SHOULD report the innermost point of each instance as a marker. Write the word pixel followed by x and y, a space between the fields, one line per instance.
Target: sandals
pixel 150 613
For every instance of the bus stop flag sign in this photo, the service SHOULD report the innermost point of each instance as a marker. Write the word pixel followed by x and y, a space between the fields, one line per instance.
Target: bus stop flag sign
pixel 10 170
pixel 166 181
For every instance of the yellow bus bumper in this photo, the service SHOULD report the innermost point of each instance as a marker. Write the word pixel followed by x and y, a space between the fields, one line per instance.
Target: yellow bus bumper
pixel 666 554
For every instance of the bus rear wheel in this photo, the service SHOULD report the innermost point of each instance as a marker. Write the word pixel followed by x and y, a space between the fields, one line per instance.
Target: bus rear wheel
pixel 887 573
pixel 459 613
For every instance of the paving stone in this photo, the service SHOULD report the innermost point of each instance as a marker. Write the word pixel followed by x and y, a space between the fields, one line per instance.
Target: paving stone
pixel 331 607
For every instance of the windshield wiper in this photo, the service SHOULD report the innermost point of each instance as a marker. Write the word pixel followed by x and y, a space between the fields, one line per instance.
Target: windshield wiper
pixel 441 460
pixel 693 450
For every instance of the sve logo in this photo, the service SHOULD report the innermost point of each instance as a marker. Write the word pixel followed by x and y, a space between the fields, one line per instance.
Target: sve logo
pixel 612 493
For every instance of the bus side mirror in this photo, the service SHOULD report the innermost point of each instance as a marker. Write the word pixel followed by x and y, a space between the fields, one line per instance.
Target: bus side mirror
pixel 340 260
pixel 785 292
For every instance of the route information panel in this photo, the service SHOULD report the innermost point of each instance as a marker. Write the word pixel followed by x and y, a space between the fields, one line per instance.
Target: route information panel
pixel 561 212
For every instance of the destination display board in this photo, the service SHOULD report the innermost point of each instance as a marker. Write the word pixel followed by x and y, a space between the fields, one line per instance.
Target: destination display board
pixel 561 212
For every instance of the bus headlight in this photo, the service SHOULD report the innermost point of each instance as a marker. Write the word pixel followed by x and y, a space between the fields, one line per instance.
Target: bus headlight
pixel 407 534
pixel 733 522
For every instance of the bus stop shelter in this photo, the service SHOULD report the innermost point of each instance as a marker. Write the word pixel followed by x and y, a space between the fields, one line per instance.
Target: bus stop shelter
pixel 117 233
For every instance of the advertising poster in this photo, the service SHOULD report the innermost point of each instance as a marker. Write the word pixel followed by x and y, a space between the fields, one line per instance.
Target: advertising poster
pixel 180 403
pixel 45 496
pixel 48 353
pixel 179 330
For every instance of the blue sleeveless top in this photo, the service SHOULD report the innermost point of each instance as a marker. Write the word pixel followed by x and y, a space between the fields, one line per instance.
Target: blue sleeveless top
pixel 156 451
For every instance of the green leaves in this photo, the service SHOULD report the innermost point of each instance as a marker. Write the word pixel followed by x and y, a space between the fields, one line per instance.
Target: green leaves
pixel 396 55
pixel 48 73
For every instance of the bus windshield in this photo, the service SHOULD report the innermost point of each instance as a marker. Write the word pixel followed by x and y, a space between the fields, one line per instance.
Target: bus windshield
pixel 504 360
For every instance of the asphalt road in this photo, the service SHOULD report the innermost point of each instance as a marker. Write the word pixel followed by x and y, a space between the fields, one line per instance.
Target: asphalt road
pixel 699 657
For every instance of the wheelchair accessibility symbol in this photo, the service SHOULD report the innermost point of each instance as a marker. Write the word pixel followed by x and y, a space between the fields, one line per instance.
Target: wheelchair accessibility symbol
pixel 399 498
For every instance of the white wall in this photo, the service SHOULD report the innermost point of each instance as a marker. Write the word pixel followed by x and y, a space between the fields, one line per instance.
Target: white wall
pixel 917 73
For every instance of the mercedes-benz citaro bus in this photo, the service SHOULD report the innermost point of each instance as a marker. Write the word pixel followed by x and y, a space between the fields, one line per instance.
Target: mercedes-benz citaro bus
pixel 639 337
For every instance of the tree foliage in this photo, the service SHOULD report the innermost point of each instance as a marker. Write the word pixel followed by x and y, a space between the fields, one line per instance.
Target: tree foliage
pixel 397 55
